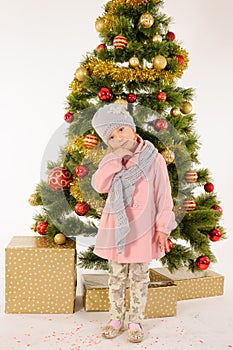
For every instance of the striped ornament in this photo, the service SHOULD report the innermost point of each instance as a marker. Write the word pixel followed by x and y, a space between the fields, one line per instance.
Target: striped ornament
pixel 189 204
pixel 191 176
pixel 90 141
pixel 120 42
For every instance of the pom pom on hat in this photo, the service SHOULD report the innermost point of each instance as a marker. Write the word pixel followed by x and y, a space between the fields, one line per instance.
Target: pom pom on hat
pixel 110 117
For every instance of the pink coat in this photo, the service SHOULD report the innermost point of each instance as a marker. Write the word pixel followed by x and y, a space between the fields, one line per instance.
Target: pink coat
pixel 150 210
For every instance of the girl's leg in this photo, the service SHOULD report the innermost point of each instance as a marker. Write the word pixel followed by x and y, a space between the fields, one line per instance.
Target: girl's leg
pixel 118 274
pixel 138 280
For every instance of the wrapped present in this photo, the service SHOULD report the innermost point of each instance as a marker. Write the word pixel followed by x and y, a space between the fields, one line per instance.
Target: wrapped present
pixel 161 296
pixel 95 292
pixel 191 285
pixel 40 275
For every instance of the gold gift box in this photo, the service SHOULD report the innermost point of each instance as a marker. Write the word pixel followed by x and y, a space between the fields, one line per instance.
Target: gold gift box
pixel 200 284
pixel 40 275
pixel 161 296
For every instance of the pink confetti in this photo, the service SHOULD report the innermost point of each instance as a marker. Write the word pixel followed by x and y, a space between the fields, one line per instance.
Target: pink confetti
pixel 201 341
pixel 229 346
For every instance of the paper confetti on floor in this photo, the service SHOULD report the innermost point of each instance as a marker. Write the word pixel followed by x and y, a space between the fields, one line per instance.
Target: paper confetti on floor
pixel 204 324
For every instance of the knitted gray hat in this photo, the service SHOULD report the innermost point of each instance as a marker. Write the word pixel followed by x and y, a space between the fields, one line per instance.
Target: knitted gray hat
pixel 109 117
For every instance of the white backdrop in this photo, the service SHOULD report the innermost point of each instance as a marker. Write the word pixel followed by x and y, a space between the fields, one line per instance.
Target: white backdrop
pixel 42 43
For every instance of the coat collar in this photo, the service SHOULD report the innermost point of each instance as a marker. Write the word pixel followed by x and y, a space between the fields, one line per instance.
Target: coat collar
pixel 138 150
pixel 141 145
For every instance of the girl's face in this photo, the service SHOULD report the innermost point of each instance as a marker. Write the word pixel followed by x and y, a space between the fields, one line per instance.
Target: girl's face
pixel 122 132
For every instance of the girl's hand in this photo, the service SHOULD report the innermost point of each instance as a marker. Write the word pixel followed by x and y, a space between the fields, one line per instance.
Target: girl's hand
pixel 122 152
pixel 116 144
pixel 161 239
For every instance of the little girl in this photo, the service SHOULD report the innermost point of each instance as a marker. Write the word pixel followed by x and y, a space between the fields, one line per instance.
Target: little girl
pixel 137 218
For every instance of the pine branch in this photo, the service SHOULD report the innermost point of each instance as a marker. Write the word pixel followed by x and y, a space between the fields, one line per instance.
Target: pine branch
pixel 88 260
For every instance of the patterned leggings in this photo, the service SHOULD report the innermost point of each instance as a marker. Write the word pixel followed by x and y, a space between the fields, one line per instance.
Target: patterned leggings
pixel 138 275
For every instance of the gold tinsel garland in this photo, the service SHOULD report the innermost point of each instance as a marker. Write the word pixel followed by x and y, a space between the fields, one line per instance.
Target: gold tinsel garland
pixel 130 3
pixel 75 191
pixel 94 203
pixel 76 86
pixel 100 69
pixel 76 144
pixel 94 155
pixel 109 17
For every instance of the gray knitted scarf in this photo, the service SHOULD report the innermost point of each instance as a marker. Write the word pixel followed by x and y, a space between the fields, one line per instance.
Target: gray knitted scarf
pixel 122 189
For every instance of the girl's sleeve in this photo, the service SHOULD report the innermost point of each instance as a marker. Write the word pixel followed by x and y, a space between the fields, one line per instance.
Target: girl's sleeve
pixel 165 217
pixel 102 179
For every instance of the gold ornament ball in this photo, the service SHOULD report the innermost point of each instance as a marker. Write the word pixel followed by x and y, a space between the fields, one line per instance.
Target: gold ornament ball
pixel 134 62
pixel 175 112
pixel 168 155
pixel 186 107
pixel 32 199
pixel 60 238
pixel 81 73
pixel 146 20
pixel 157 38
pixel 99 24
pixel 159 62
pixel 99 211
pixel 122 101
pixel 33 228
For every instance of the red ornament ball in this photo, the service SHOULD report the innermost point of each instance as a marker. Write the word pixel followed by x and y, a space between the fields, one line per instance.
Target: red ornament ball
pixel 81 208
pixel 191 176
pixel 217 208
pixel 170 245
pixel 209 187
pixel 105 94
pixel 90 141
pixel 171 36
pixel 202 262
pixel 101 47
pixel 180 59
pixel 161 96
pixel 120 42
pixel 215 235
pixel 189 204
pixel 59 179
pixel 69 117
pixel 42 227
pixel 161 124
pixel 131 98
pixel 81 171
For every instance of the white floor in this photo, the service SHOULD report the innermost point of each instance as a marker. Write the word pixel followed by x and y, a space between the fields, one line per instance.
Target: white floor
pixel 200 324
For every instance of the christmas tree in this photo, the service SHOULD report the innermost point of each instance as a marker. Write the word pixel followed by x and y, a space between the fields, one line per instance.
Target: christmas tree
pixel 138 63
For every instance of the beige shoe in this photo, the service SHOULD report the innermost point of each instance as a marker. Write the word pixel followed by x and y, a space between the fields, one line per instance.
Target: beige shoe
pixel 110 332
pixel 135 335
